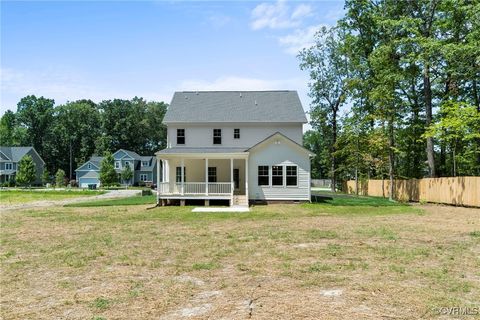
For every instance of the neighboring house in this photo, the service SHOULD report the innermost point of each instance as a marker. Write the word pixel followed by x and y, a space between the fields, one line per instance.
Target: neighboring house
pixel 240 146
pixel 143 168
pixel 11 156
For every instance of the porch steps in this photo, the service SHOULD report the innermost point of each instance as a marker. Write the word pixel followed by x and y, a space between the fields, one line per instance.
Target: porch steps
pixel 240 200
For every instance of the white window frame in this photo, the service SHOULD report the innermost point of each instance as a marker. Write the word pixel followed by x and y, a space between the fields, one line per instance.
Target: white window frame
pixel 217 134
pixel 127 163
pixel 10 164
pixel 236 133
pixel 263 175
pixel 296 176
pixel 178 174
pixel 212 174
pixel 144 163
pixel 283 177
pixel 143 177
pixel 117 164
pixel 181 136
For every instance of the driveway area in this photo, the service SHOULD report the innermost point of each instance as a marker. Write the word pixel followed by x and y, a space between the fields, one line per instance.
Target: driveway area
pixel 50 203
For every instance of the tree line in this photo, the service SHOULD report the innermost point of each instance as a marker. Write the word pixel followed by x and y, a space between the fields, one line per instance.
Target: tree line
pixel 395 91
pixel 67 135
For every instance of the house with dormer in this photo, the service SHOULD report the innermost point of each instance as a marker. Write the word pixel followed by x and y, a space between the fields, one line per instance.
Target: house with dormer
pixel 235 146
pixel 143 168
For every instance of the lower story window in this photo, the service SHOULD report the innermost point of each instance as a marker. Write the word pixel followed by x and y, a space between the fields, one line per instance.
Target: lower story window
pixel 212 174
pixel 263 176
pixel 178 175
pixel 143 177
pixel 292 175
pixel 277 175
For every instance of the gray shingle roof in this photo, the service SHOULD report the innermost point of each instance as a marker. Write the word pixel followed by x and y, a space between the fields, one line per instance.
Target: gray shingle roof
pixel 15 154
pixel 235 106
pixel 200 150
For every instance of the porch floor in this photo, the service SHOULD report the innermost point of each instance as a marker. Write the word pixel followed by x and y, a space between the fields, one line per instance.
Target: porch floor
pixel 222 209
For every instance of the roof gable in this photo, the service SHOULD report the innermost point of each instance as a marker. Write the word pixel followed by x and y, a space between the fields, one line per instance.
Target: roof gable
pixel 94 166
pixel 280 137
pixel 122 153
pixel 15 154
pixel 235 106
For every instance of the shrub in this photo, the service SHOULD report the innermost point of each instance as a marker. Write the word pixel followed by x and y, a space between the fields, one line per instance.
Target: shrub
pixel 27 172
pixel 73 183
pixel 60 178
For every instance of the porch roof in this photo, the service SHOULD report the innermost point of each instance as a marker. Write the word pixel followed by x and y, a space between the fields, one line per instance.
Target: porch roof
pixel 183 150
pixel 201 152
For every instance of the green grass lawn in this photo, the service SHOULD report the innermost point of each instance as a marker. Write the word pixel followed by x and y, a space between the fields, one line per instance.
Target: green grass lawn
pixel 135 200
pixel 22 196
pixel 386 260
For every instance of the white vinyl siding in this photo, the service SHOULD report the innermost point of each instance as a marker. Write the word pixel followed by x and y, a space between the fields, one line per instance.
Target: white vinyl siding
pixel 283 154
pixel 250 134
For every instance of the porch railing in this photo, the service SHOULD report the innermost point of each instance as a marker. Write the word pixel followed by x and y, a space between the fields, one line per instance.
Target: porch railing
pixel 195 188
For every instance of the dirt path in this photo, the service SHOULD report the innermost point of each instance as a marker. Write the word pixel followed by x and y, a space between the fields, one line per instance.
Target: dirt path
pixel 112 194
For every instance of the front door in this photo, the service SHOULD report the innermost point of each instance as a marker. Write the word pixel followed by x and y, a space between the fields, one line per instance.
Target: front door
pixel 236 178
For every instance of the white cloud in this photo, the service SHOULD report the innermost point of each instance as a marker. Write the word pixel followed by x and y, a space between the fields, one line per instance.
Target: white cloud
pixel 301 11
pixel 64 85
pixel 278 15
pixel 299 39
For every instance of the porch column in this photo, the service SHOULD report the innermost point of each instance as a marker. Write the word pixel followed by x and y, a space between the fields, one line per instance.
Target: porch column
pixel 158 172
pixel 246 180
pixel 158 180
pixel 182 175
pixel 206 176
pixel 231 181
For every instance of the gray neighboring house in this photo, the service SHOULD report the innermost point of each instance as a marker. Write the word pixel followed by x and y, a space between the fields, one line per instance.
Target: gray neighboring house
pixel 11 156
pixel 144 168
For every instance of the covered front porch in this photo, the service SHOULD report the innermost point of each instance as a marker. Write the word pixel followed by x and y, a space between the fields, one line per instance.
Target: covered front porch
pixel 203 176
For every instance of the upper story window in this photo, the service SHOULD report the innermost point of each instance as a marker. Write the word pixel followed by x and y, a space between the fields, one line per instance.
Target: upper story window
pixel 8 166
pixel 217 136
pixel 89 166
pixel 263 176
pixel 277 175
pixel 144 163
pixel 180 136
pixel 117 164
pixel 236 133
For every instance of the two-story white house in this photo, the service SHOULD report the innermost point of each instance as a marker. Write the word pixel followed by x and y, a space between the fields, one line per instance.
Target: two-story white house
pixel 240 146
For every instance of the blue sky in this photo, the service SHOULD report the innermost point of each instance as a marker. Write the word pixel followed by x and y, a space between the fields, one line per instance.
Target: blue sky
pixel 69 50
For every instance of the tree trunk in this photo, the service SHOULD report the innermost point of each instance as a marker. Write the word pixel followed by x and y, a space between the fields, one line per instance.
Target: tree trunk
pixel 334 149
pixel 476 100
pixel 391 159
pixel 427 88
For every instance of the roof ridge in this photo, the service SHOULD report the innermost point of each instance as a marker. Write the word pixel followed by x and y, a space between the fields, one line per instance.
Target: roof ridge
pixel 199 91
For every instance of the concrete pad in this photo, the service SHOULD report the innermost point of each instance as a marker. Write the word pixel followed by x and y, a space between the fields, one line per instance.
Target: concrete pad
pixel 222 209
